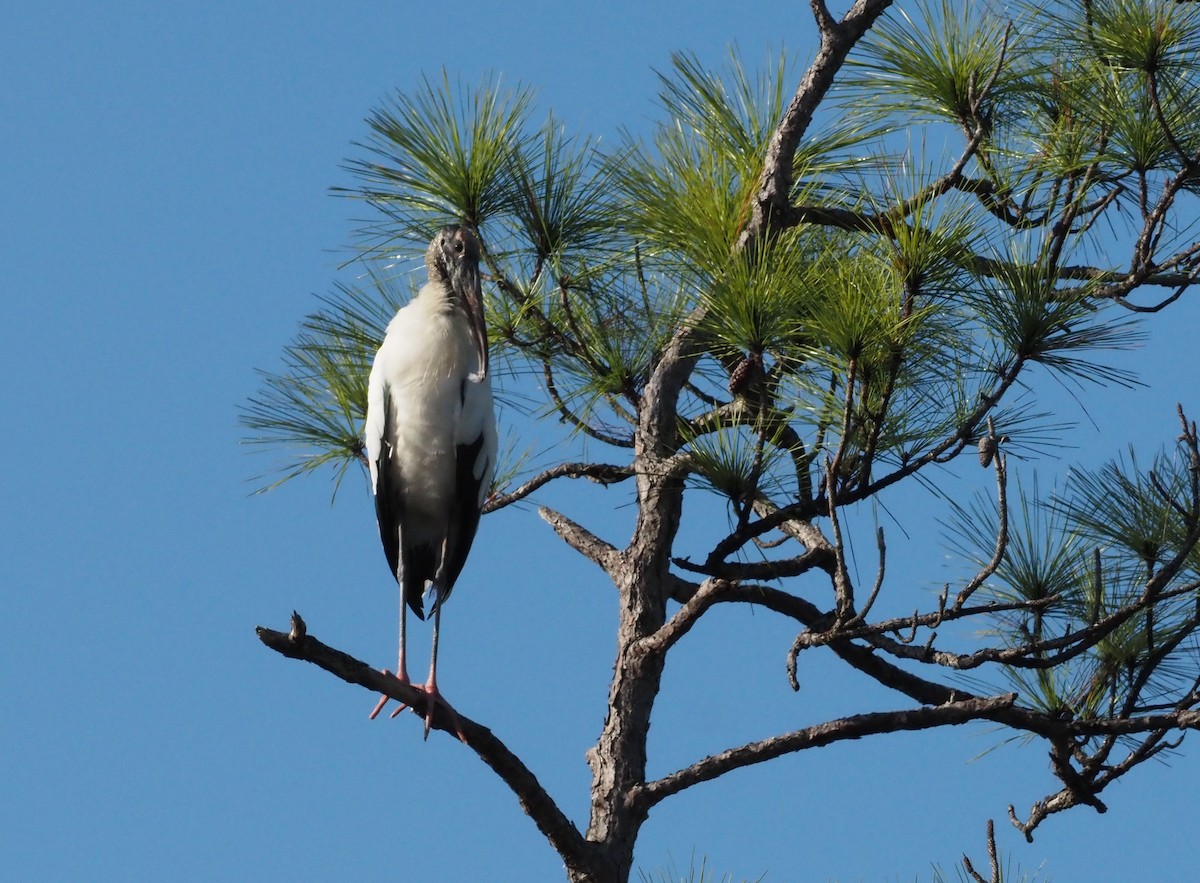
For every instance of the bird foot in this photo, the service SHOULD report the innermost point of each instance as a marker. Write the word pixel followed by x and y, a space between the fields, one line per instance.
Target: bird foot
pixel 402 677
pixel 436 698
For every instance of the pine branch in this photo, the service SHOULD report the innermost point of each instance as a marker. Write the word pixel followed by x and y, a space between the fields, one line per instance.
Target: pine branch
pixel 820 558
pixel 843 729
pixel 537 803
pixel 772 202
pixel 867 660
pixel 709 593
pixel 583 540
pixel 601 473
pixel 941 452
pixel 574 419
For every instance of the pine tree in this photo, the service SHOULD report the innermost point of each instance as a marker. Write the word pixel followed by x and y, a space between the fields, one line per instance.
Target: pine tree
pixel 784 300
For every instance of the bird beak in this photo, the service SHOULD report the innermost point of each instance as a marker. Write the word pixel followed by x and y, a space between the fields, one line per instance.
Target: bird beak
pixel 470 296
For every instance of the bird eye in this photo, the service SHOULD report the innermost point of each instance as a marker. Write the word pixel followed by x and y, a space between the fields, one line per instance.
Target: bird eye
pixel 458 246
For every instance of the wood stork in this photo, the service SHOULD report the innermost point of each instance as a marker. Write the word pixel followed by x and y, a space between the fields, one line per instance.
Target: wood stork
pixel 431 436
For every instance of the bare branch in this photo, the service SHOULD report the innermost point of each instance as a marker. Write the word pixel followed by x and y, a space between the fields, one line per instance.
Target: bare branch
pixel 582 540
pixel 821 558
pixel 601 473
pixel 993 859
pixel 710 592
pixel 867 660
pixel 879 574
pixel 1038 654
pixel 1153 308
pixel 537 803
pixel 854 727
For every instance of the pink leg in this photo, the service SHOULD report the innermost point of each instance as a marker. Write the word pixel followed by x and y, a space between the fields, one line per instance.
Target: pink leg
pixel 401 669
pixel 431 688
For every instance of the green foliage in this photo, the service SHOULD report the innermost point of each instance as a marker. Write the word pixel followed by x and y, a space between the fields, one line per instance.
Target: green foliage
pixel 1043 564
pixel 442 154
pixel 767 302
pixel 939 62
pixel 1034 319
pixel 1085 555
pixel 1135 35
pixel 903 305
pixel 315 405
pixel 1132 512
pixel 557 195
pixel 702 874
pixel 597 258
pixel 686 196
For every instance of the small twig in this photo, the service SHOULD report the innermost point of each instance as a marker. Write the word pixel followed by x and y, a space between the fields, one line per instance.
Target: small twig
pixel 601 473
pixel 870 602
pixel 1161 305
pixel 575 420
pixel 1001 530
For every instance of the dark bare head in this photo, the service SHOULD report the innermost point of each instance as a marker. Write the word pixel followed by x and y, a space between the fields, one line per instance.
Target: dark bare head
pixel 453 260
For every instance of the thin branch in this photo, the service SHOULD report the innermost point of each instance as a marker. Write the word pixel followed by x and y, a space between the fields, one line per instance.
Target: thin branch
pixel 710 592
pixel 1001 530
pixel 854 727
pixel 879 574
pixel 821 558
pixel 582 540
pixel 537 803
pixel 1112 284
pixel 601 473
pixel 867 660
pixel 1029 656
pixel 1187 160
pixel 1153 308
pixel 575 420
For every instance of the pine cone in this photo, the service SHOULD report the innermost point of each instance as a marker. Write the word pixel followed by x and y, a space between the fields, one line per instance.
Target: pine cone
pixel 987 450
pixel 747 370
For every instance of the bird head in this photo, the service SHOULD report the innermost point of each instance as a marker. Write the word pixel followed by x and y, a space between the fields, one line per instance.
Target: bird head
pixel 453 260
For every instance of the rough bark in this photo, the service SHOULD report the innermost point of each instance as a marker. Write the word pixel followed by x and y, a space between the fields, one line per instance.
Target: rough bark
pixel 537 803
pixel 642 578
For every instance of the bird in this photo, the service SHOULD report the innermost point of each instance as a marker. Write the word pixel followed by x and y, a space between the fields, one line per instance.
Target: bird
pixel 430 439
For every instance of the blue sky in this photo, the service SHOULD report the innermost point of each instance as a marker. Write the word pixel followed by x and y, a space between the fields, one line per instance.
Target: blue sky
pixel 164 183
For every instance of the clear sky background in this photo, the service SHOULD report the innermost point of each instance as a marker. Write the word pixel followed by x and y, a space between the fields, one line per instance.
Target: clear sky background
pixel 164 175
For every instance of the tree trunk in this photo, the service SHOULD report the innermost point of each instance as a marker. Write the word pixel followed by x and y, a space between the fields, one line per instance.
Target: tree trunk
pixel 618 760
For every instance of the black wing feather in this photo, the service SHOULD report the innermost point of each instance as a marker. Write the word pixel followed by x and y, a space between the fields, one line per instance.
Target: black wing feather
pixel 410 566
pixel 464 517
